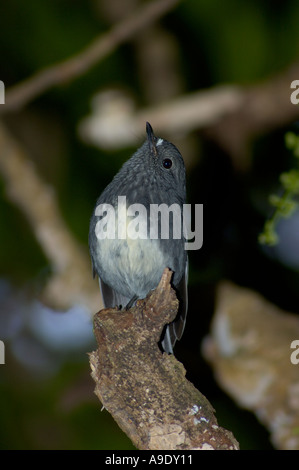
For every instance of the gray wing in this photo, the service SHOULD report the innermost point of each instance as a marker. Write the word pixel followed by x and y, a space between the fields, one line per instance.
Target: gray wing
pixel 174 330
pixel 111 298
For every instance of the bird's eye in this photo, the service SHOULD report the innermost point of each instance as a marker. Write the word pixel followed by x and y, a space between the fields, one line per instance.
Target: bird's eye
pixel 167 163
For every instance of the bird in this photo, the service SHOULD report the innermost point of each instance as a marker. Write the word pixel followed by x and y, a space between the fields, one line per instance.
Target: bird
pixel 128 268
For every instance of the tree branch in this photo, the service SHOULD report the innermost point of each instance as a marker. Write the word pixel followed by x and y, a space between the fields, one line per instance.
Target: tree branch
pixel 20 94
pixel 265 106
pixel 115 121
pixel 146 391
pixel 230 115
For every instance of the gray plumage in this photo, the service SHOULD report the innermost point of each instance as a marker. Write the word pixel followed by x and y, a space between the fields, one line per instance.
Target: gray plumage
pixel 129 268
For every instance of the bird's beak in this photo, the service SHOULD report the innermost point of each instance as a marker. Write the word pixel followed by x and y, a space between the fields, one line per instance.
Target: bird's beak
pixel 151 139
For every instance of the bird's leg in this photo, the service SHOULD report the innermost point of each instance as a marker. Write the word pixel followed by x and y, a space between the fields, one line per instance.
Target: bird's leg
pixel 131 302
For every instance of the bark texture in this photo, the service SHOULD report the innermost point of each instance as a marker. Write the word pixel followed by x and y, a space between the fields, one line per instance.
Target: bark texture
pixel 145 390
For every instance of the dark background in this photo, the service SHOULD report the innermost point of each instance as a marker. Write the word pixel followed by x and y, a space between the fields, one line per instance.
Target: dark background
pixel 46 399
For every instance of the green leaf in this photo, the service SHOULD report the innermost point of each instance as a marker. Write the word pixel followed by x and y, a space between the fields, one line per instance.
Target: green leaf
pixel 268 236
pixel 290 181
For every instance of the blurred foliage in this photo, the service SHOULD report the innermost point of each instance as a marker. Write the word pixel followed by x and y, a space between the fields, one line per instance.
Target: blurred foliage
pixel 286 204
pixel 219 42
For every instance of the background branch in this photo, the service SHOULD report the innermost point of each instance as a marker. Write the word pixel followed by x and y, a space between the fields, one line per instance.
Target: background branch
pixel 115 121
pixel 251 358
pixel 230 115
pixel 264 107
pixel 71 281
pixel 24 92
